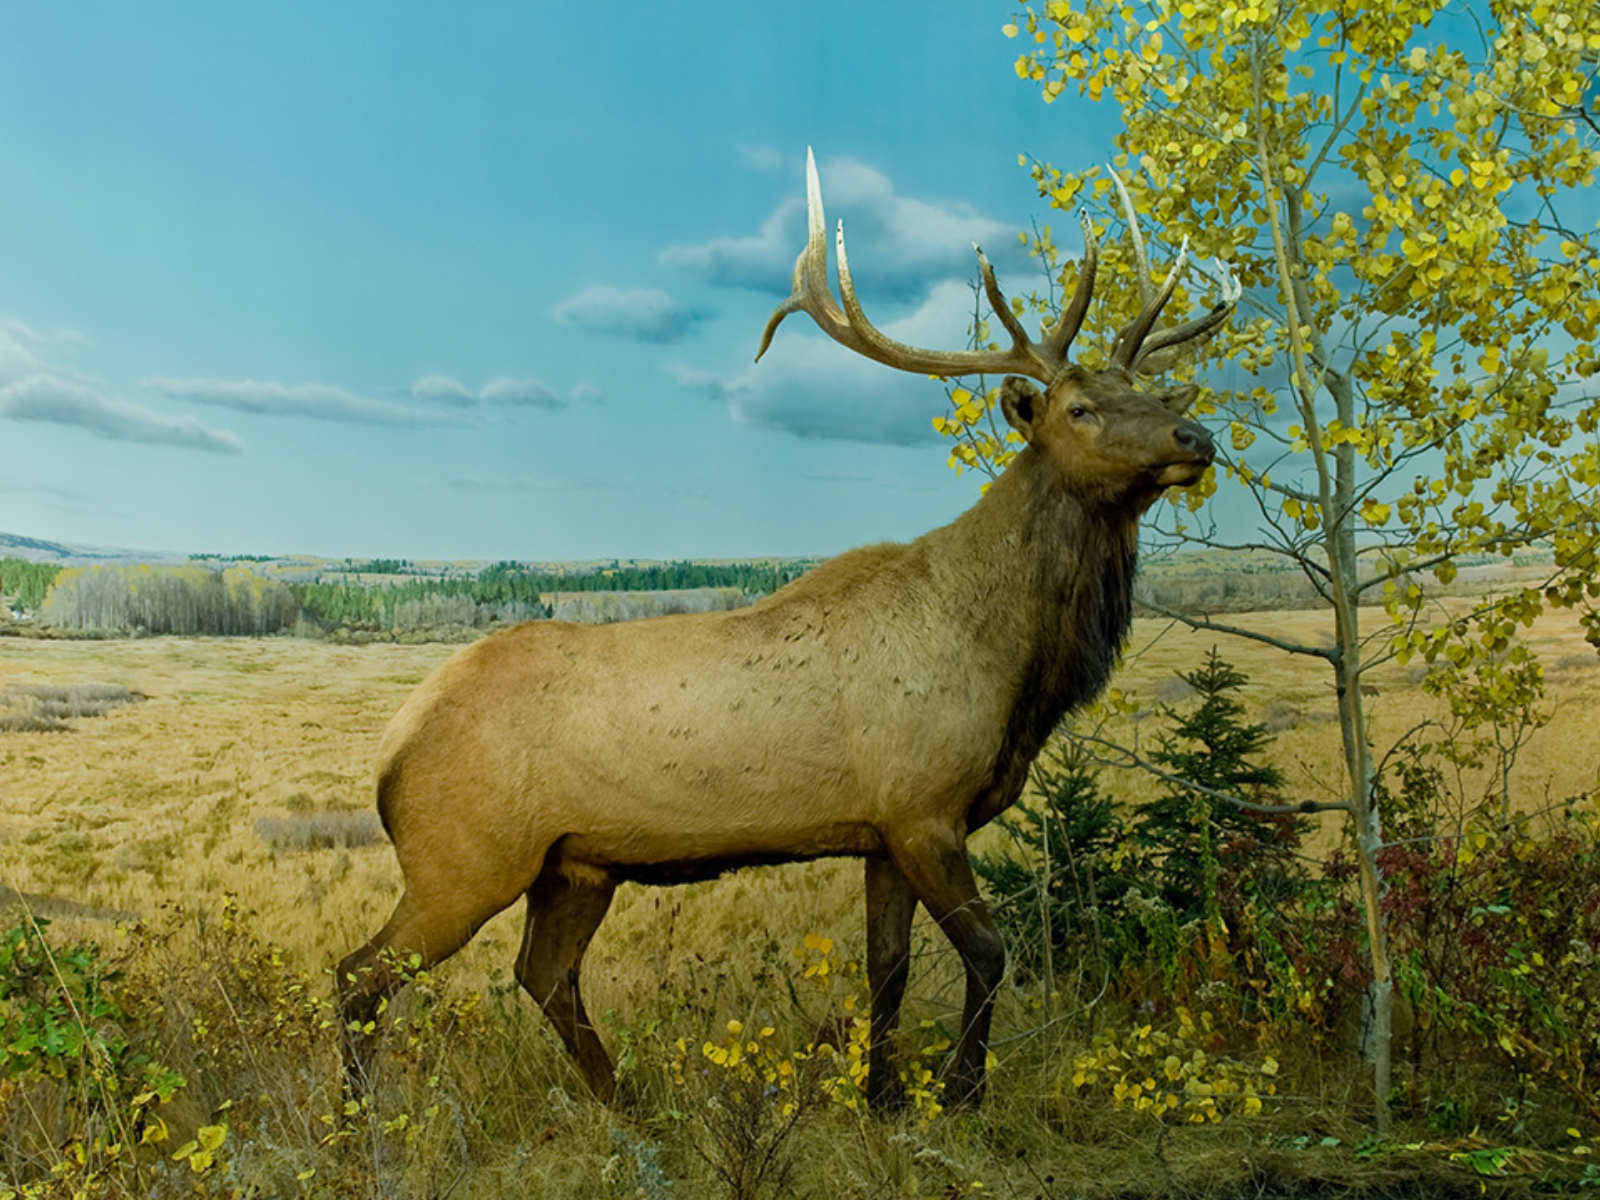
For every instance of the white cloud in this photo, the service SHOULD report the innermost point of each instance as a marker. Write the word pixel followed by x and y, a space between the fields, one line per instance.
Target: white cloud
pixel 319 401
pixel 521 393
pixel 525 393
pixel 899 246
pixel 440 389
pixel 768 159
pixel 641 314
pixel 36 390
pixel 538 485
pixel 54 400
pixel 21 352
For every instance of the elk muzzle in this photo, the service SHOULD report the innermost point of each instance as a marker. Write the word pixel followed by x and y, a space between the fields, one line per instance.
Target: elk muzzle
pixel 1194 451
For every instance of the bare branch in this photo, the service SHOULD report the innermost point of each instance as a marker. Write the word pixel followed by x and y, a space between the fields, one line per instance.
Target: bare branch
pixel 1130 758
pixel 1237 631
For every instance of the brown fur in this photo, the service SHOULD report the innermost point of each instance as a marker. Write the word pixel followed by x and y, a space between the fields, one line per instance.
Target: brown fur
pixel 883 706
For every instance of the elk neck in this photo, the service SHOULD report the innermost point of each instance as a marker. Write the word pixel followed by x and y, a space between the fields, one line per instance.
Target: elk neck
pixel 1058 573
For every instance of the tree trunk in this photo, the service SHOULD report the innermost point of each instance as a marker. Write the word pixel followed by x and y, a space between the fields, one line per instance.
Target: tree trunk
pixel 1336 504
pixel 1340 518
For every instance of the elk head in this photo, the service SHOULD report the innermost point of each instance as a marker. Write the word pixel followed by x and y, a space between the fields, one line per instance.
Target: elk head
pixel 1106 438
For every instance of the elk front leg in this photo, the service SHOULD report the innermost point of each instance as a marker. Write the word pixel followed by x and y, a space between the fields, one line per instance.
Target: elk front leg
pixel 563 914
pixel 934 863
pixel 890 906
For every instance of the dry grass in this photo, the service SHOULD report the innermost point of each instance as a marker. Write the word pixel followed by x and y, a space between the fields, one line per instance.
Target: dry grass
pixel 246 768
pixel 52 707
pixel 1294 697
pixel 247 771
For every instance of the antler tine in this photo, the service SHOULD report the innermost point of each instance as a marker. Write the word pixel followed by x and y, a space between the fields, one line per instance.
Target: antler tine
pixel 1060 340
pixel 810 288
pixel 998 302
pixel 1125 350
pixel 1161 351
pixel 850 327
pixel 1142 263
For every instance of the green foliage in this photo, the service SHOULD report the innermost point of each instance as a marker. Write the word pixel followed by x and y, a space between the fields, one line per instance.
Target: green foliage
pixel 507 592
pixel 256 601
pixel 26 583
pixel 60 1014
pixel 1406 193
pixel 386 566
pixel 1211 858
pixel 476 1098
pixel 67 1044
pixel 1185 890
pixel 1497 937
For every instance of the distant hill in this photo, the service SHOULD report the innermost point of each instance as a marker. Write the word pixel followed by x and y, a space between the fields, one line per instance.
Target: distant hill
pixel 70 554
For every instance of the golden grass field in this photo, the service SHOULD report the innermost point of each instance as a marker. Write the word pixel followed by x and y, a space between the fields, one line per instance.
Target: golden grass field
pixel 174 800
pixel 159 801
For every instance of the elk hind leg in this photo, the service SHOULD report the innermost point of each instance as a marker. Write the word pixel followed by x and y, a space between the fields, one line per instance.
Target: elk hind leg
pixel 890 906
pixel 935 865
pixel 564 911
pixel 431 928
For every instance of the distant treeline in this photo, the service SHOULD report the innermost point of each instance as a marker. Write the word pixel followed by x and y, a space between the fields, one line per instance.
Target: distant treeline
pixel 751 578
pixel 401 599
pixel 508 592
pixel 253 601
pixel 233 602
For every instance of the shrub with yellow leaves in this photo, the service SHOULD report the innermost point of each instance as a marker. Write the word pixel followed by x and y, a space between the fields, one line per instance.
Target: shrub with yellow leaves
pixel 1171 1075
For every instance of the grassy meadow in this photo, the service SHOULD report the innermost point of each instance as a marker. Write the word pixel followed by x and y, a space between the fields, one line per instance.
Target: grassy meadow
pixel 241 768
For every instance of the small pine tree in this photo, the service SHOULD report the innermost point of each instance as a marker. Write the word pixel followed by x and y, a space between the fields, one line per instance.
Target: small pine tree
pixel 1210 858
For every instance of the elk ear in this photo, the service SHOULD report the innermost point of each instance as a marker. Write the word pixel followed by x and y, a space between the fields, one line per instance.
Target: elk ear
pixel 1178 400
pixel 1023 405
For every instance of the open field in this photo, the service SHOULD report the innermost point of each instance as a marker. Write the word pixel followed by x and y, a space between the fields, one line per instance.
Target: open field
pixel 169 798
pixel 245 770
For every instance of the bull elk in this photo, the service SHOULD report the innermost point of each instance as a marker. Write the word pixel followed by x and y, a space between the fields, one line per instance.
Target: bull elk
pixel 884 705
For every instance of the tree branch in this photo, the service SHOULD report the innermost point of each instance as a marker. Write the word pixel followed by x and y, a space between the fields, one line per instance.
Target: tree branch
pixel 1130 758
pixel 1207 623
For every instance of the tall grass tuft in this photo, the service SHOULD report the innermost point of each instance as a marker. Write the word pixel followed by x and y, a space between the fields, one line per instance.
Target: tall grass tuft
pixel 332 829
pixel 52 707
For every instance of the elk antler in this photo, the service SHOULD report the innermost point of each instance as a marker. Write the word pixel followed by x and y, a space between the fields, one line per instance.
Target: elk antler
pixel 1042 360
pixel 1134 349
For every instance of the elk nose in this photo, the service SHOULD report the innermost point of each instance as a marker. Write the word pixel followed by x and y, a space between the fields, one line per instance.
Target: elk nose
pixel 1193 439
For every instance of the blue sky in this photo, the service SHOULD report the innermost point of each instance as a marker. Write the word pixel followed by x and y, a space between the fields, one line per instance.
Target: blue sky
pixel 485 280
